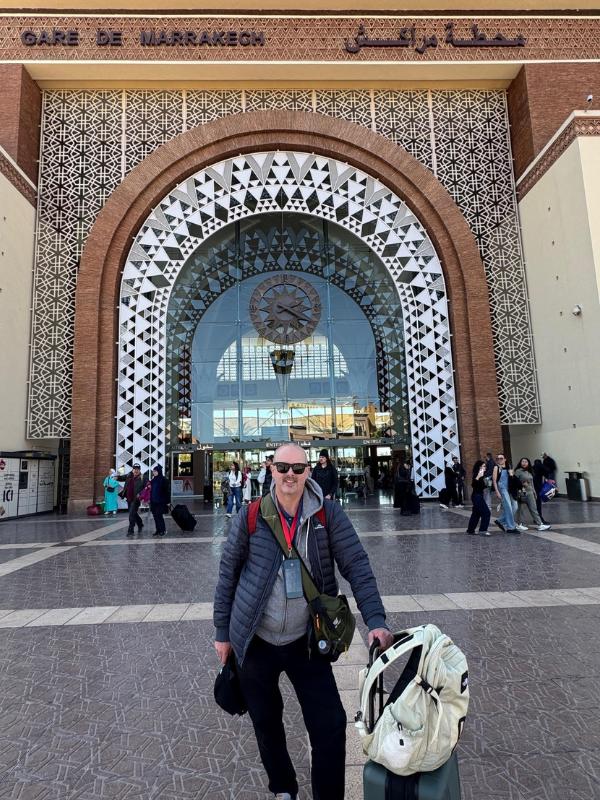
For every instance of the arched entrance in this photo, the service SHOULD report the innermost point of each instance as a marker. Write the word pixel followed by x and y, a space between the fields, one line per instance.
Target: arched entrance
pixel 338 186
pixel 290 183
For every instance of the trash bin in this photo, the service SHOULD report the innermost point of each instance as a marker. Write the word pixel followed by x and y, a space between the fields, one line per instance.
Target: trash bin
pixel 576 486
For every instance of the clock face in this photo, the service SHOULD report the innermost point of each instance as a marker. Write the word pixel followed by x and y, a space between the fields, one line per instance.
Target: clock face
pixel 285 309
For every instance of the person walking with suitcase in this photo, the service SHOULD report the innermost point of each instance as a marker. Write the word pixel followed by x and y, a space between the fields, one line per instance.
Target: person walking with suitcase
pixel 527 498
pixel 260 613
pixel 159 499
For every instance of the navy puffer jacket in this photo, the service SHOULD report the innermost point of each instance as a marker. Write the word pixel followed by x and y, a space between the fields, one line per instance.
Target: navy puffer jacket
pixel 249 567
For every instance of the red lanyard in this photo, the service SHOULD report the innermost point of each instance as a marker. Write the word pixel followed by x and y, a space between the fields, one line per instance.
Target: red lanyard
pixel 289 530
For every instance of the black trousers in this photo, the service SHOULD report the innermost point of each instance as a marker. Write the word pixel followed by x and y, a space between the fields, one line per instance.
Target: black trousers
pixel 134 517
pixel 322 710
pixel 158 511
pixel 481 512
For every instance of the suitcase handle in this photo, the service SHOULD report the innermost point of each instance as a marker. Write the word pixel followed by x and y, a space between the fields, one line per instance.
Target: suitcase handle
pixel 374 652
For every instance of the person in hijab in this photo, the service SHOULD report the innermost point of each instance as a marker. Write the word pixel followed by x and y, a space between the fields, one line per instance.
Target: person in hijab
pixel 111 494
pixel 159 499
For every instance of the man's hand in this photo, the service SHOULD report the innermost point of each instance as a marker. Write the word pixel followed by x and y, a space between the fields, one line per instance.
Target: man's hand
pixel 385 637
pixel 223 649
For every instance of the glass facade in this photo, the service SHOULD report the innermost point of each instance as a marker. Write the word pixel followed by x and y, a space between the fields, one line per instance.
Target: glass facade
pixel 343 375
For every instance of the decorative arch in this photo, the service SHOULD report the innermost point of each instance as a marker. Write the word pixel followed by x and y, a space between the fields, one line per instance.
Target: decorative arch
pixel 392 187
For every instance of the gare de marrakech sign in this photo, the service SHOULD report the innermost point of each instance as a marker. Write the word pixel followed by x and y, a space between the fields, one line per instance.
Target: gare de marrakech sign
pixel 406 37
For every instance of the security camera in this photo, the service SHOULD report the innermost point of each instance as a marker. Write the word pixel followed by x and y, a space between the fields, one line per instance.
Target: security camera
pixel 590 98
pixel 576 310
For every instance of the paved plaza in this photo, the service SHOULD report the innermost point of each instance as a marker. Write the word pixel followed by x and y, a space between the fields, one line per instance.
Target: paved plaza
pixel 107 662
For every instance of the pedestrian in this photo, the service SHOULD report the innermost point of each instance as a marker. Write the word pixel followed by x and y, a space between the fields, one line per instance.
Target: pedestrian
pixel 265 476
pixel 134 483
pixel 326 475
pixel 235 488
pixel 402 486
pixel 247 484
pixel 268 626
pixel 527 497
pixel 460 474
pixel 449 496
pixel 539 476
pixel 490 463
pixel 159 499
pixel 500 478
pixel 369 481
pixel 225 487
pixel 549 466
pixel 111 495
pixel 481 512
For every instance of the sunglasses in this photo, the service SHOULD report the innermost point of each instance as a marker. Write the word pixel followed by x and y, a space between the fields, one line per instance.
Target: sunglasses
pixel 283 467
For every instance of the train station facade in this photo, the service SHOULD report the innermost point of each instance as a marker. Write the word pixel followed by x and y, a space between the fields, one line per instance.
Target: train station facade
pixel 372 233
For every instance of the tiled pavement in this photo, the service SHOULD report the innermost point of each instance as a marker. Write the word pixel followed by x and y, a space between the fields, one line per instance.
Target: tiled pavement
pixel 107 664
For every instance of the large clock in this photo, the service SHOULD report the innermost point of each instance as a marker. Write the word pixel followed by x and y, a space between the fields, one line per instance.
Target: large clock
pixel 285 309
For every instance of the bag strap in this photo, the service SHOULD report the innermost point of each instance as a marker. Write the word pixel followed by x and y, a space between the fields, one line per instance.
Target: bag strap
pixel 271 516
pixel 253 510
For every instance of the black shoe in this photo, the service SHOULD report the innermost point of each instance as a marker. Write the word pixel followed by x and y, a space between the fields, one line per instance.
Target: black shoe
pixel 471 533
pixel 500 525
pixel 162 533
pixel 129 533
pixel 156 533
pixel 513 530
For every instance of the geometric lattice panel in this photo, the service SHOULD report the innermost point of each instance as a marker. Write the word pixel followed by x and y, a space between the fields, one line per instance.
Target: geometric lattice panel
pixel 91 139
pixel 300 183
pixel 473 161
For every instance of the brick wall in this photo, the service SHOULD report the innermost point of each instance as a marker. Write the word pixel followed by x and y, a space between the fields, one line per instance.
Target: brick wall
pixel 541 98
pixel 20 117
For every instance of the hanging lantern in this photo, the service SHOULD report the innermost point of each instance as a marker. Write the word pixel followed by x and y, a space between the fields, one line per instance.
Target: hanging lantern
pixel 282 361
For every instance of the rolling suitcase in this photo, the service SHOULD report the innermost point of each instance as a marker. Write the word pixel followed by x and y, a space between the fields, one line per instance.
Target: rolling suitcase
pixel 441 784
pixel 180 514
pixel 381 784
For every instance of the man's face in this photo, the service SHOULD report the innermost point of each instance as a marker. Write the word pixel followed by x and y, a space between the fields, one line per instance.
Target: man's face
pixel 136 472
pixel 289 484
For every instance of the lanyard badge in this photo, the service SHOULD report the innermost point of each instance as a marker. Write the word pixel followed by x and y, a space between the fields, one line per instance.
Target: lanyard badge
pixel 292 574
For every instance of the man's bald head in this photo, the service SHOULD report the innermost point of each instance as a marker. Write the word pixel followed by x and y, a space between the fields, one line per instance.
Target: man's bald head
pixel 292 453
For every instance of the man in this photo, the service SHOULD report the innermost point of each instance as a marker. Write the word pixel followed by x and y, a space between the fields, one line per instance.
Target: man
pixel 460 473
pixel 490 463
pixel 326 475
pixel 134 483
pixel 549 465
pixel 264 476
pixel 269 631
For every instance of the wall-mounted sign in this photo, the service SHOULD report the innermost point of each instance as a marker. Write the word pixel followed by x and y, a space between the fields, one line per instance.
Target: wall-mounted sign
pixel 407 37
pixel 56 37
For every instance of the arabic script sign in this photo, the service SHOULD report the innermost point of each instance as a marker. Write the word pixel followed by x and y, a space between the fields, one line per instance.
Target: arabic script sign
pixel 407 37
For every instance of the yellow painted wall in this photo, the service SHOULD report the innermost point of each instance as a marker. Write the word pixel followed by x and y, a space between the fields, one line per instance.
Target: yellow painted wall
pixel 560 220
pixel 17 226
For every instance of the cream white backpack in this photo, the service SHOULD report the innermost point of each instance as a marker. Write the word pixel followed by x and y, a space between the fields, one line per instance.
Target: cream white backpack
pixel 422 720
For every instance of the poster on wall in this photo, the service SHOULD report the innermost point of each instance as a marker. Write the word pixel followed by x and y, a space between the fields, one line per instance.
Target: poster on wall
pixel 182 486
pixel 45 497
pixel 9 487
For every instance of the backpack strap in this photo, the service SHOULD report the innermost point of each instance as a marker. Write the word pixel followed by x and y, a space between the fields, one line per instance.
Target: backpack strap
pixel 253 510
pixel 320 515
